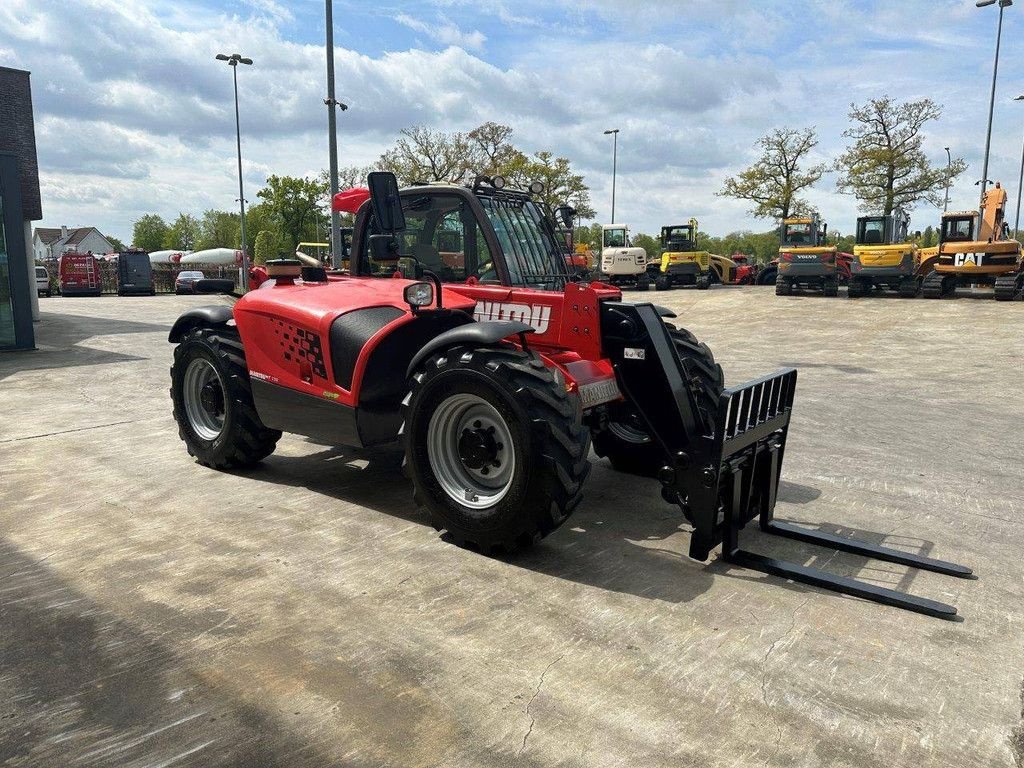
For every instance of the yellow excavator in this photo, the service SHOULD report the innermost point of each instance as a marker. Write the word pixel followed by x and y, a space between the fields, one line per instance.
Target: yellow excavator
pixel 975 248
pixel 680 263
pixel 805 260
pixel 886 256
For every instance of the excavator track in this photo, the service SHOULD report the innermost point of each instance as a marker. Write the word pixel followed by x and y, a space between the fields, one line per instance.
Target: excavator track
pixel 1008 287
pixel 935 286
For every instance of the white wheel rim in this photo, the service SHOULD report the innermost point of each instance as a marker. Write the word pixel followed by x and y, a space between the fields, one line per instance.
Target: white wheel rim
pixel 484 478
pixel 203 394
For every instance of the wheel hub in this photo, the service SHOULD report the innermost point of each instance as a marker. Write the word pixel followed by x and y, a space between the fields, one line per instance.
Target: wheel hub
pixel 211 398
pixel 478 448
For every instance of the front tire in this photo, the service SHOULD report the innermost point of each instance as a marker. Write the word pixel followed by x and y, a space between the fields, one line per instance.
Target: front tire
pixel 213 401
pixel 626 443
pixel 495 447
pixel 662 282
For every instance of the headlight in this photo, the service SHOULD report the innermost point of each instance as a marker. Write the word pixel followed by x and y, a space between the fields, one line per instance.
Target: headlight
pixel 537 187
pixel 498 182
pixel 419 294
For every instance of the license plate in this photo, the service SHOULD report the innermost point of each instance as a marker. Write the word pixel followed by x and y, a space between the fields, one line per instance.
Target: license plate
pixel 599 392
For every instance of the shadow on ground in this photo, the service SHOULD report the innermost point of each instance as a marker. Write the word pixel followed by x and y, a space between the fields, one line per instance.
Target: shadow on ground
pixel 622 539
pixel 81 686
pixel 58 337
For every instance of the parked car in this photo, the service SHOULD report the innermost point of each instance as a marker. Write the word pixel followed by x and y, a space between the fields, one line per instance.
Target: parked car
pixel 185 282
pixel 42 281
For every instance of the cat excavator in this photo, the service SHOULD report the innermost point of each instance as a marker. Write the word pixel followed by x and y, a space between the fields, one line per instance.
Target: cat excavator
pixel 975 248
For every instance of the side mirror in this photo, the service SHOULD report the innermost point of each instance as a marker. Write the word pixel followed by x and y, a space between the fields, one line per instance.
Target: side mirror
pixel 387 205
pixel 566 213
pixel 383 247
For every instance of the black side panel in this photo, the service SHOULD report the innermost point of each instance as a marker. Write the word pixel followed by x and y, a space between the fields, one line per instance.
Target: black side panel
pixel 349 334
pixel 199 317
pixel 385 382
pixel 323 420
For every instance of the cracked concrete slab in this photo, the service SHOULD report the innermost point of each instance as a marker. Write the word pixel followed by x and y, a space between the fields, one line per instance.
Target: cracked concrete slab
pixel 304 614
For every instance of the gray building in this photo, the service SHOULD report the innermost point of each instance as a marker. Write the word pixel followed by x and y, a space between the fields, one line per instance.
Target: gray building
pixel 20 205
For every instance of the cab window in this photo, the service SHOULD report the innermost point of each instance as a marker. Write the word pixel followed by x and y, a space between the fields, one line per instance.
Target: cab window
pixel 442 236
pixel 958 229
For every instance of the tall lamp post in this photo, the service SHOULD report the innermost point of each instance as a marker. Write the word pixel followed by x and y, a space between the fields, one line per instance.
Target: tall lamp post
pixel 332 137
pixel 949 163
pixel 1020 185
pixel 233 61
pixel 992 100
pixel 615 159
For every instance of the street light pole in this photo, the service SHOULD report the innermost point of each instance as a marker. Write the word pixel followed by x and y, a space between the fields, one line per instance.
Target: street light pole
pixel 615 160
pixel 992 100
pixel 332 137
pixel 949 163
pixel 233 61
pixel 1020 186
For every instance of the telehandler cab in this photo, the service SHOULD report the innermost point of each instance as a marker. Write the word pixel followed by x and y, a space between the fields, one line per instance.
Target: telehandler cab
pixel 977 249
pixel 805 258
pixel 460 336
pixel 681 263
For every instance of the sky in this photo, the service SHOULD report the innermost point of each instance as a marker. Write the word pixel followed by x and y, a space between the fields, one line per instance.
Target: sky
pixel 134 115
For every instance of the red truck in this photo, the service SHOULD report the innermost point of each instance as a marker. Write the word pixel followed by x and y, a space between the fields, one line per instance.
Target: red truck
pixel 79 275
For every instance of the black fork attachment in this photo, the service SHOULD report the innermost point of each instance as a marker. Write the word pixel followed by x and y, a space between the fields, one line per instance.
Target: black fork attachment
pixel 723 468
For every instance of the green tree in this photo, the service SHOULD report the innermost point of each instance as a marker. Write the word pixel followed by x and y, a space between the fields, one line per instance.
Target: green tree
pixel 885 167
pixel 265 247
pixel 929 237
pixel 118 245
pixel 297 204
pixel 148 232
pixel 219 229
pixel 650 244
pixel 772 184
pixel 183 233
pixel 561 185
pixel 492 150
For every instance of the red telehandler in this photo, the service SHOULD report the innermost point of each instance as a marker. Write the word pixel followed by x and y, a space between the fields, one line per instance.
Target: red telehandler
pixel 459 334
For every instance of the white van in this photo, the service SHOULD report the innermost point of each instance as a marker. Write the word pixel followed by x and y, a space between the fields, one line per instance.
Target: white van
pixel 42 281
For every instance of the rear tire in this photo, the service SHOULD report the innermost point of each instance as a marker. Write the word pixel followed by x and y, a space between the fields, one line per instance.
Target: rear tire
pixel 767 276
pixel 626 443
pixel 213 401
pixel 495 447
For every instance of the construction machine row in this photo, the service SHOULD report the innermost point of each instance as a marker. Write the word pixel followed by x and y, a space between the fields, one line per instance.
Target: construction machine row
pixel 974 249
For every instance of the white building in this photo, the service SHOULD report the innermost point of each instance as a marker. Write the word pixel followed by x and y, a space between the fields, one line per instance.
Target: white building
pixel 50 243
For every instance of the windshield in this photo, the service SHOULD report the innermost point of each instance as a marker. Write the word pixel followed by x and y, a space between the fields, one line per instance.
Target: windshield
pixel 679 238
pixel 533 256
pixel 871 231
pixel 798 234
pixel 961 229
pixel 615 238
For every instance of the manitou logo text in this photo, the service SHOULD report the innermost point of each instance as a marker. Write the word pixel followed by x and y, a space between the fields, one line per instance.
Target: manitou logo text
pixel 535 315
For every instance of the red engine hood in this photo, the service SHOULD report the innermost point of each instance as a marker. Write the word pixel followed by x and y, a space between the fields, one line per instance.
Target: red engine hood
pixel 315 305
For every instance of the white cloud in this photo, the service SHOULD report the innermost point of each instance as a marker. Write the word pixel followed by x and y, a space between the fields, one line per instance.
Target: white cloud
pixel 444 31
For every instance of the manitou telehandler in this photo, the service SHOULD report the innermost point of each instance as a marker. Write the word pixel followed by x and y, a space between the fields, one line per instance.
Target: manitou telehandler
pixel 885 256
pixel 493 371
pixel 681 262
pixel 979 254
pixel 805 259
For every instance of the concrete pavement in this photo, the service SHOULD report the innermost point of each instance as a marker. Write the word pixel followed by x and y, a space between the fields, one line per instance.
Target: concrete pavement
pixel 157 613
